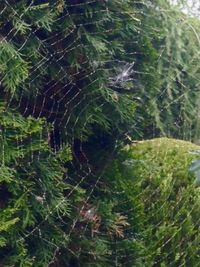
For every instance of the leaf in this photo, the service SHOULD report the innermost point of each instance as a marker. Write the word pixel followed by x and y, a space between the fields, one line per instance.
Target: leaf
pixel 6 174
pixel 2 241
pixel 195 165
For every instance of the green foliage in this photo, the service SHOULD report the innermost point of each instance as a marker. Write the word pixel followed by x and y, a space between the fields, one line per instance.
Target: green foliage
pixel 51 47
pixel 94 71
pixel 32 192
pixel 174 103
pixel 157 184
pixel 14 70
pixel 87 51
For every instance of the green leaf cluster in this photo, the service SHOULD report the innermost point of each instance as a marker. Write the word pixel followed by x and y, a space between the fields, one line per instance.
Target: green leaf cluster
pixel 32 192
pixel 153 177
pixel 94 71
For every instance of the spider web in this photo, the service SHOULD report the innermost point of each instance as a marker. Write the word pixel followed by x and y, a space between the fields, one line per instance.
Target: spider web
pixel 55 100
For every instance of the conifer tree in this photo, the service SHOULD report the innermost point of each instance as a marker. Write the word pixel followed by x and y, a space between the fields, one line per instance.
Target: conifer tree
pixel 84 74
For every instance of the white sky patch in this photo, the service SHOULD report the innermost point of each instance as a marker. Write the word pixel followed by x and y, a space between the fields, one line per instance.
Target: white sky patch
pixel 191 7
